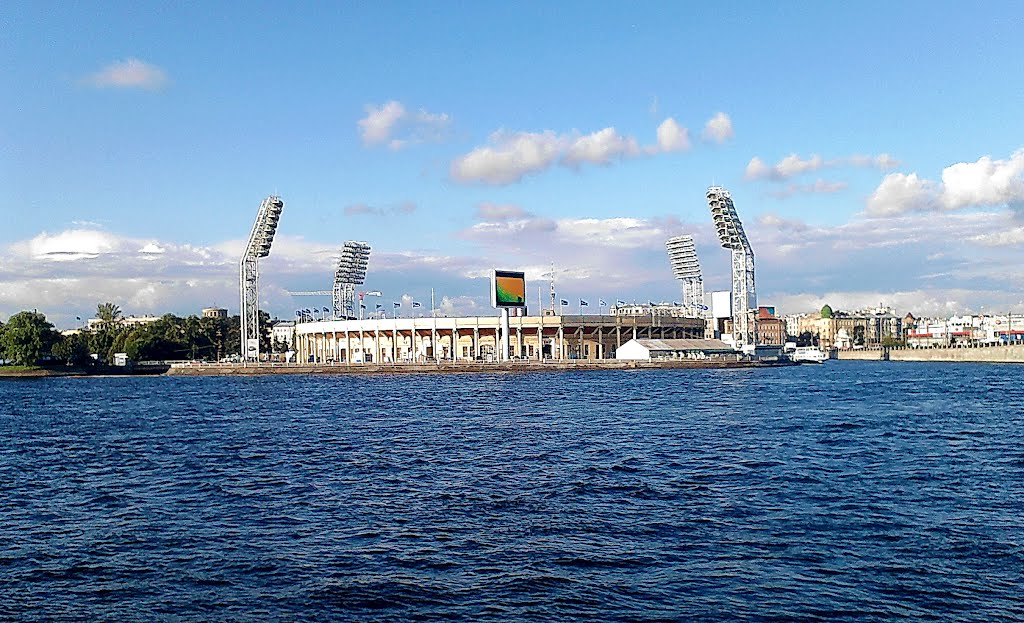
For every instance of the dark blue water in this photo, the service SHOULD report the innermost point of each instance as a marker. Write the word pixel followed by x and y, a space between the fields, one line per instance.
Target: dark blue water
pixel 854 491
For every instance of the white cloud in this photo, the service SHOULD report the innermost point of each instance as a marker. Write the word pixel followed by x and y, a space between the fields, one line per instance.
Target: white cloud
pixel 776 221
pixel 618 232
pixel 128 74
pixel 793 165
pixel 786 168
pixel 509 228
pixel 883 162
pixel 818 187
pixel 899 193
pixel 672 136
pixel 983 183
pixel 986 182
pixel 621 232
pixel 600 148
pixel 509 157
pixel 70 245
pixel 1001 238
pixel 500 213
pixel 392 124
pixel 362 209
pixel 380 122
pixel 757 169
pixel 718 129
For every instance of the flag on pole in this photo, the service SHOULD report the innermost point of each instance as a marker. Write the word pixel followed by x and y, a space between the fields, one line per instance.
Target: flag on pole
pixel 362 306
pixel 563 302
pixel 584 303
pixel 620 302
pixel 397 304
pixel 415 304
pixel 601 303
pixel 379 306
pixel 326 310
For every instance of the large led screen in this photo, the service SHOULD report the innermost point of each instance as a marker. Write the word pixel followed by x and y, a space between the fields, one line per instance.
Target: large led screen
pixel 508 289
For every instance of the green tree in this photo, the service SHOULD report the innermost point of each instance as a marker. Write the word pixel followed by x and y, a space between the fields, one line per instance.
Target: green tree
pixel 826 312
pixel 101 342
pixel 27 337
pixel 1 341
pixel 72 349
pixel 232 340
pixel 265 332
pixel 145 346
pixel 108 312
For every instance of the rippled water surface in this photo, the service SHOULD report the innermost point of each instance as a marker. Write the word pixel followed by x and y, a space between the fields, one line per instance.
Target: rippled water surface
pixel 854 491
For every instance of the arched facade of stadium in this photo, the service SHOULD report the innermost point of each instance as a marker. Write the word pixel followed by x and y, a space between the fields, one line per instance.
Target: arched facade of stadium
pixel 394 340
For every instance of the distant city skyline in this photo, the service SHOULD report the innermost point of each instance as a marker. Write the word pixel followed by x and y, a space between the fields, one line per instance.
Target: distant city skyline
pixel 874 151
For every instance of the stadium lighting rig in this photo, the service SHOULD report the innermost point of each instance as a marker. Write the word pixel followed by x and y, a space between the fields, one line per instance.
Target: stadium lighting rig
pixel 682 254
pixel 260 240
pixel 731 236
pixel 351 272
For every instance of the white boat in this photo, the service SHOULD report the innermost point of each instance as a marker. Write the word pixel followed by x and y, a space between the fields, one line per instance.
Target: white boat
pixel 808 354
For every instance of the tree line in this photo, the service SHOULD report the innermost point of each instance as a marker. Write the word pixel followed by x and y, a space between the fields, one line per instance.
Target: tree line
pixel 28 338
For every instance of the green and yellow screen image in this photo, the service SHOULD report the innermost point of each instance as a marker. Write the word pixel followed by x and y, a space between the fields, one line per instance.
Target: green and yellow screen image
pixel 510 290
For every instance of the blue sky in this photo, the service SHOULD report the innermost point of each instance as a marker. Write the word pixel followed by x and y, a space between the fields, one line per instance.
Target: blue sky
pixel 873 149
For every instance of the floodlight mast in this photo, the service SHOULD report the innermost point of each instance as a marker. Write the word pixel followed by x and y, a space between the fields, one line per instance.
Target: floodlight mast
pixel 731 236
pixel 260 240
pixel 682 254
pixel 351 272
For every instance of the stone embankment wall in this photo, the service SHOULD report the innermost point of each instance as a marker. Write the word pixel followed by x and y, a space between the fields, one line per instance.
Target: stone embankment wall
pixel 986 354
pixel 868 354
pixel 196 369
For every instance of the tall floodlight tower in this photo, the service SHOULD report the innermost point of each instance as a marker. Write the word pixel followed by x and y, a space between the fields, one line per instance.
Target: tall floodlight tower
pixel 682 254
pixel 260 239
pixel 350 273
pixel 731 235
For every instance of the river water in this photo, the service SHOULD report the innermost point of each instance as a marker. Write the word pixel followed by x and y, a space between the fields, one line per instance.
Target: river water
pixel 853 491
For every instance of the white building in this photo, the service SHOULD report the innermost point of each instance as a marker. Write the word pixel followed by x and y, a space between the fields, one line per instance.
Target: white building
pixel 642 349
pixel 283 331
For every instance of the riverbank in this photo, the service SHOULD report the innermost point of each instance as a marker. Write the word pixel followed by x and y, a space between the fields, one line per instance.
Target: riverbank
pixel 36 372
pixel 449 367
pixel 29 372
pixel 975 354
